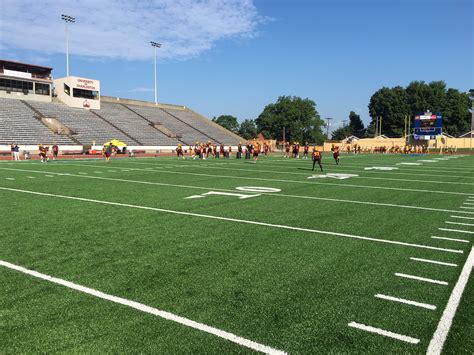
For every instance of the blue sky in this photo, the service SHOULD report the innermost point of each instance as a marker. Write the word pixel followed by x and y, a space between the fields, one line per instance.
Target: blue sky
pixel 236 56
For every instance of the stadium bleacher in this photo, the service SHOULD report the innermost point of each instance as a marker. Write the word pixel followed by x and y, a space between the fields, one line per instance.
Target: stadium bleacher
pixel 132 124
pixel 18 124
pixel 87 126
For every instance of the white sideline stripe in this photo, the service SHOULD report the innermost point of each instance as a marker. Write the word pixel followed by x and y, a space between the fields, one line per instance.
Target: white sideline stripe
pixel 424 279
pixel 463 217
pixel 386 333
pixel 459 223
pixel 305 174
pixel 452 239
pixel 434 262
pixel 441 333
pixel 230 190
pixel 421 246
pixel 288 181
pixel 402 300
pixel 455 230
pixel 147 309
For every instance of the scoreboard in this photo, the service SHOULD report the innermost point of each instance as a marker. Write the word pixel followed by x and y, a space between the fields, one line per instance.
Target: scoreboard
pixel 428 126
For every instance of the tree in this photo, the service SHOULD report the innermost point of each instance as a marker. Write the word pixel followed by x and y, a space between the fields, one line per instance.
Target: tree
pixel 341 133
pixel 248 130
pixel 392 106
pixel 396 103
pixel 228 122
pixel 297 116
pixel 356 125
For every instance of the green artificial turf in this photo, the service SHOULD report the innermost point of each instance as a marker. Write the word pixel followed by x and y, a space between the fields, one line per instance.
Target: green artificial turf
pixel 291 289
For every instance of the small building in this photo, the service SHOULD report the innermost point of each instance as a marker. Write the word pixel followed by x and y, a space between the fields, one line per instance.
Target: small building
pixel 25 81
pixel 78 92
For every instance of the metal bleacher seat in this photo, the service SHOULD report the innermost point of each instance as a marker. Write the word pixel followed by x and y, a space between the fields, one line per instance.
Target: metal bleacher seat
pixel 217 133
pixel 189 135
pixel 87 126
pixel 18 124
pixel 134 125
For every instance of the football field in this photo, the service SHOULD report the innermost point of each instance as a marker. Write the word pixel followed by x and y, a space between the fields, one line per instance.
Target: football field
pixel 222 255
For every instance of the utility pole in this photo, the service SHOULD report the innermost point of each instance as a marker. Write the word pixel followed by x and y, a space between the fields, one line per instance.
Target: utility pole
pixel 67 19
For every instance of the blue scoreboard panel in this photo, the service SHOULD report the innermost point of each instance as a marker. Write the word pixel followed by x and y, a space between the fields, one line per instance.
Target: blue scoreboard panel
pixel 428 126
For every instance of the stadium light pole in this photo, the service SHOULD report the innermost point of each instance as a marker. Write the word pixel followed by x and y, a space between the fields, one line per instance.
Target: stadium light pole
pixel 67 19
pixel 155 45
pixel 471 94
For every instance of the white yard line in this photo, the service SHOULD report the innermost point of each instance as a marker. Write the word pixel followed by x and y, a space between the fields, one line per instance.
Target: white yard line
pixel 467 203
pixel 11 179
pixel 444 325
pixel 451 239
pixel 463 217
pixel 230 190
pixel 383 332
pixel 418 278
pixel 280 226
pixel 455 230
pixel 250 169
pixel 461 224
pixel 31 177
pixel 468 208
pixel 147 309
pixel 433 262
pixel 290 181
pixel 405 301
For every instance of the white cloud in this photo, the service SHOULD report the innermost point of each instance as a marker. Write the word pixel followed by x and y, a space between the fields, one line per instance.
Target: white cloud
pixel 124 28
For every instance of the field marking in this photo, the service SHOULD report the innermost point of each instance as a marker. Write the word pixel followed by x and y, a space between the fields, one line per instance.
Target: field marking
pixel 418 278
pixel 290 181
pixel 461 224
pixel 468 208
pixel 11 179
pixel 30 177
pixel 405 301
pixel 468 203
pixel 364 164
pixel 147 309
pixel 98 172
pixel 280 226
pixel 439 337
pixel 305 174
pixel 230 190
pixel 455 230
pixel 383 332
pixel 81 173
pixel 463 217
pixel 452 239
pixel 433 262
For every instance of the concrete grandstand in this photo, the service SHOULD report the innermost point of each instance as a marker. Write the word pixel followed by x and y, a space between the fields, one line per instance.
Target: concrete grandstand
pixel 72 113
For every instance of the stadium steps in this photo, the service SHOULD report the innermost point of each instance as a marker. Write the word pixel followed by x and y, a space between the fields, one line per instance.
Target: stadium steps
pixel 157 116
pixel 222 132
pixel 88 127
pixel 39 115
pixel 19 125
pixel 135 140
pixel 157 125
pixel 193 127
